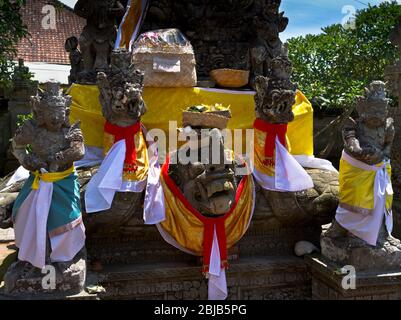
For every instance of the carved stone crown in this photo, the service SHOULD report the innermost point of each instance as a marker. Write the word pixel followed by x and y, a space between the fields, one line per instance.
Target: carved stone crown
pixel 275 94
pixel 52 97
pixel 122 71
pixel 375 98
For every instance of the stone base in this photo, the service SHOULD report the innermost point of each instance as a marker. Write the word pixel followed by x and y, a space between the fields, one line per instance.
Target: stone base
pixel 261 278
pixel 22 280
pixel 327 282
pixel 340 246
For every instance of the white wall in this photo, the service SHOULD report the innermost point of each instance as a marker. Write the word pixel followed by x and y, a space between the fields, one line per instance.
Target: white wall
pixel 44 72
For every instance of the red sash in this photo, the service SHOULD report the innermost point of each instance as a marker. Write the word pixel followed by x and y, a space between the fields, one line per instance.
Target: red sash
pixel 210 224
pixel 273 131
pixel 127 134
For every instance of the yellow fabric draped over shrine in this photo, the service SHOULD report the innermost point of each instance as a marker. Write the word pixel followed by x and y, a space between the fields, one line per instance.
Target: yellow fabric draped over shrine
pixel 167 104
pixel 187 229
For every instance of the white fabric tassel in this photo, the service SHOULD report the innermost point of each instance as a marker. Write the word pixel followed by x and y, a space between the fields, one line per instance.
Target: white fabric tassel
pixel 154 210
pixel 217 276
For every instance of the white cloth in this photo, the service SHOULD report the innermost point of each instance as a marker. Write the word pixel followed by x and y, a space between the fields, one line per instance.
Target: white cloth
pixel 217 286
pixel 30 229
pixel 154 210
pixel 19 175
pixel 315 163
pixel 65 246
pixel 289 174
pixel 367 227
pixel 108 180
pixel 93 156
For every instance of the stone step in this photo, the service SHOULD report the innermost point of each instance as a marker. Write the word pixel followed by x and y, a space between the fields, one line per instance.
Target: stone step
pixel 261 278
pixel 257 278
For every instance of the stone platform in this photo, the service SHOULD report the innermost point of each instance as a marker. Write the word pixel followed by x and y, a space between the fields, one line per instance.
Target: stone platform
pixel 370 285
pixel 262 278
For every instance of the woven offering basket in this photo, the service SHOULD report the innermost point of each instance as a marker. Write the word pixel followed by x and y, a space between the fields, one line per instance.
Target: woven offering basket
pixel 217 119
pixel 153 78
pixel 230 78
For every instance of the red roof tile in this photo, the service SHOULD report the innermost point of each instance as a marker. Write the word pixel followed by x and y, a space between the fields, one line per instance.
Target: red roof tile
pixel 48 45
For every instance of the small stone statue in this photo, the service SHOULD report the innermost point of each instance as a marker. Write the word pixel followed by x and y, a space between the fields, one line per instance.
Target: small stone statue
pixel 267 44
pixel 97 39
pixel 54 142
pixel 361 233
pixel 46 214
pixel 71 46
pixel 304 194
pixel 369 139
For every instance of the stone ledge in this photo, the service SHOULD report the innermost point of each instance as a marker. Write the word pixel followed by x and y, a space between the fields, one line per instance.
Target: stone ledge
pixel 370 285
pixel 258 278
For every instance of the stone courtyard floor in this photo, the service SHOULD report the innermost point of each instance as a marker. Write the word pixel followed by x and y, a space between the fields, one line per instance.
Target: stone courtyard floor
pixel 7 250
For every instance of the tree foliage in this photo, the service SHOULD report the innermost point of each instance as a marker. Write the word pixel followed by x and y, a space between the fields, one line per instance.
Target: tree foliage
pixel 333 67
pixel 12 30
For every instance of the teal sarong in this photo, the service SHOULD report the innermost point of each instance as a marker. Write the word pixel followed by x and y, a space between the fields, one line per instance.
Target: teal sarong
pixel 65 208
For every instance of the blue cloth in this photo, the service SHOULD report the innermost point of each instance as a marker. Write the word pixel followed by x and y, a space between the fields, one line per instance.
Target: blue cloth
pixel 66 203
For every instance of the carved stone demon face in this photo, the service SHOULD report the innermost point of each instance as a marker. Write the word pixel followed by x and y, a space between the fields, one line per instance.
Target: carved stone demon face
pixel 208 181
pixel 121 91
pixel 373 107
pixel 274 105
pixel 127 101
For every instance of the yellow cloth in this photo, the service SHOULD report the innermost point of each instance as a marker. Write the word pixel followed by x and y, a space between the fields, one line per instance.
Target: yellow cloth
pixel 86 108
pixel 263 164
pixel 142 158
pixel 130 23
pixel 50 177
pixel 187 229
pixel 357 188
pixel 300 131
pixel 165 104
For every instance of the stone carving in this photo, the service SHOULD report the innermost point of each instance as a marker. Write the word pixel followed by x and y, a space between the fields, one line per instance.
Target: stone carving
pixel 71 46
pixel 122 105
pixel 275 96
pixel 267 44
pixel 224 34
pixel 210 186
pixel 121 91
pixel 97 39
pixel 53 145
pixel 369 140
